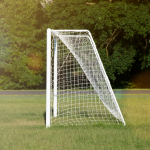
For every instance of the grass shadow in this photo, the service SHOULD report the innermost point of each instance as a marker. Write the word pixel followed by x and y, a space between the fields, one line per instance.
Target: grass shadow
pixel 44 115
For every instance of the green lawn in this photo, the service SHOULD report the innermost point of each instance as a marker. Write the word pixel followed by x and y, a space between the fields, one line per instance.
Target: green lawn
pixel 22 126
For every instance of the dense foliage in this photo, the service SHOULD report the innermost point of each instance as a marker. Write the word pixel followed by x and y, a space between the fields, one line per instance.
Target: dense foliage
pixel 121 31
pixel 22 58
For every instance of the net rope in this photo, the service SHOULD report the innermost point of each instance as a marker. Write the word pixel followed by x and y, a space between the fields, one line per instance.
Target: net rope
pixel 83 90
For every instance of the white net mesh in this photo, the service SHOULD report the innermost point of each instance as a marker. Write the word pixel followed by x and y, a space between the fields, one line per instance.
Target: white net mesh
pixel 84 94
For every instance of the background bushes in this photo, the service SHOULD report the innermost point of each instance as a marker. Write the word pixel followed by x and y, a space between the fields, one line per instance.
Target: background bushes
pixel 121 31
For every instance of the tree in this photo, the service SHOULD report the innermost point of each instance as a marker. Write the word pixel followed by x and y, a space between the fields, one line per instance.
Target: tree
pixel 121 30
pixel 135 2
pixel 23 54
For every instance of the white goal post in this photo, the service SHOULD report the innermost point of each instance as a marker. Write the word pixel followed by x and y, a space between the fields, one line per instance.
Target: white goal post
pixel 78 91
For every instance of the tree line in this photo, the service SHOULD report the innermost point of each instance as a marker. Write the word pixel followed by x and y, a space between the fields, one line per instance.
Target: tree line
pixel 120 29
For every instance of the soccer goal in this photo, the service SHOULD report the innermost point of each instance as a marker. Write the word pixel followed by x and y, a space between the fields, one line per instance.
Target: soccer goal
pixel 78 89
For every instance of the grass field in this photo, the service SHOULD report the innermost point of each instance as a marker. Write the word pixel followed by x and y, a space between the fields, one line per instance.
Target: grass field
pixel 22 127
pixel 83 109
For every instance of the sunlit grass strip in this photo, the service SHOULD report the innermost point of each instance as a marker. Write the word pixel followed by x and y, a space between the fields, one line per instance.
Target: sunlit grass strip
pixel 137 109
pixel 22 109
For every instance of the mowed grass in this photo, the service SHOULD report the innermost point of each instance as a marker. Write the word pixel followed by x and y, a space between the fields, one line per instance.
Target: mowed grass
pixel 22 127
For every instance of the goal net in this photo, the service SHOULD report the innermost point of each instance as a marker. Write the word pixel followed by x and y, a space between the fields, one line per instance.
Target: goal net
pixel 78 89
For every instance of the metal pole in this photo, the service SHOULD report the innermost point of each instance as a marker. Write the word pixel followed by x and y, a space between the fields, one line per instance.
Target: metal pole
pixel 55 77
pixel 48 74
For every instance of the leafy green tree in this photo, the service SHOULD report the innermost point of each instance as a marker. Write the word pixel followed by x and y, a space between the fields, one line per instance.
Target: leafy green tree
pixel 136 2
pixel 121 31
pixel 23 57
